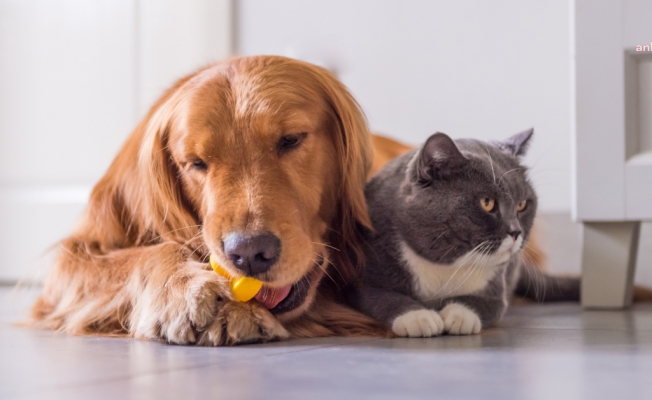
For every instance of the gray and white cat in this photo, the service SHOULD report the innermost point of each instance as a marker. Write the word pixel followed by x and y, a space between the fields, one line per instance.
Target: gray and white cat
pixel 450 220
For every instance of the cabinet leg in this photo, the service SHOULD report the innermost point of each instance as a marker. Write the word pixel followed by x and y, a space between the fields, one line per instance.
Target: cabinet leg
pixel 609 252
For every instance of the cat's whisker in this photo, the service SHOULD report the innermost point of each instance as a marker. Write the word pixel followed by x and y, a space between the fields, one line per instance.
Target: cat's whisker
pixel 460 264
pixel 484 257
pixel 474 265
pixel 511 170
pixel 451 247
pixel 487 258
pixel 465 277
pixel 479 265
pixel 442 289
pixel 438 237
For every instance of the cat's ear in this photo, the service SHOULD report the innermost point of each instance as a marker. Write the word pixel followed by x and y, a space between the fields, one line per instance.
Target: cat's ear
pixel 518 144
pixel 438 157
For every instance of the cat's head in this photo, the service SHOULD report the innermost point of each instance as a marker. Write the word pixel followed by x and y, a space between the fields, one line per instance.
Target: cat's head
pixel 467 200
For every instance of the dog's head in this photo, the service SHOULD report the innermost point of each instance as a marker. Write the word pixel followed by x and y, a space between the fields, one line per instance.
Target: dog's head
pixel 262 161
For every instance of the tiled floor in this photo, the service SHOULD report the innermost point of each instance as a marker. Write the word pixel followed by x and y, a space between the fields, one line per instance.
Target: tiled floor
pixel 537 352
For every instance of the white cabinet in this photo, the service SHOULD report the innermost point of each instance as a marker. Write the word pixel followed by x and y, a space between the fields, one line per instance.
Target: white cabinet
pixel 612 142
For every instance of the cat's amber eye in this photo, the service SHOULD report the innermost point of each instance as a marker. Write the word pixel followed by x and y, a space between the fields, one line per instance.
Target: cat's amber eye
pixel 488 204
pixel 521 206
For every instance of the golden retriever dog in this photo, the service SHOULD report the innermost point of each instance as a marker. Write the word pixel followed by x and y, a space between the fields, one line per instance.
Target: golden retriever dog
pixel 259 161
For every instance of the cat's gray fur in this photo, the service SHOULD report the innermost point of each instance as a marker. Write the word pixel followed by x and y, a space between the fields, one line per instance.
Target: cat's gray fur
pixel 426 215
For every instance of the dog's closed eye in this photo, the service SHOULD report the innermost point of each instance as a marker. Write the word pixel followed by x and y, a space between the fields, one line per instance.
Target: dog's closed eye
pixel 290 141
pixel 199 164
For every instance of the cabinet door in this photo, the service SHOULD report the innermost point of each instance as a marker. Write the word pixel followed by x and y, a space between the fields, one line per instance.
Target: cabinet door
pixel 638 114
pixel 613 100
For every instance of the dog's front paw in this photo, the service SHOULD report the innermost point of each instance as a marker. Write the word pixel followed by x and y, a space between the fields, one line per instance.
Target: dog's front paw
pixel 418 323
pixel 194 305
pixel 177 309
pixel 241 323
pixel 460 320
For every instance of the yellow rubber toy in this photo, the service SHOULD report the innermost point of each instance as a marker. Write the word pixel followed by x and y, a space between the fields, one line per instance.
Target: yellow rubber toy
pixel 244 288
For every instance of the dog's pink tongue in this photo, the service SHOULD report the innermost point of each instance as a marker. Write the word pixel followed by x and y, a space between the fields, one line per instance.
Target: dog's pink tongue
pixel 270 297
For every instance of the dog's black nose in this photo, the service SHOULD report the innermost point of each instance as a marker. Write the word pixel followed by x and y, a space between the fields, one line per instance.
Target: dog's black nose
pixel 252 254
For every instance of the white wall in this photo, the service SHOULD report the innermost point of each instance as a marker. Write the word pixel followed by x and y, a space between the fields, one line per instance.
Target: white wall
pixel 469 68
pixel 75 77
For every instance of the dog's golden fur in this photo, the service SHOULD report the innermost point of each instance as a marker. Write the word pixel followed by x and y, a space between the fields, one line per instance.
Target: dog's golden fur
pixel 204 162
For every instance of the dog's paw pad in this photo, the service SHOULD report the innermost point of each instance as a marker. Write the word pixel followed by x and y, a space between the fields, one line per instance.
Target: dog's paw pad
pixel 418 323
pixel 460 320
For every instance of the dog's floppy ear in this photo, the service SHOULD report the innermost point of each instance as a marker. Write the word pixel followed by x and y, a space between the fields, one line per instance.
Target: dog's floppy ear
pixel 355 152
pixel 161 201
pixel 138 201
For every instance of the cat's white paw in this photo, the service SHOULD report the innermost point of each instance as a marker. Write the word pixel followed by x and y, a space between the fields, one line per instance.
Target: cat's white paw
pixel 460 320
pixel 418 323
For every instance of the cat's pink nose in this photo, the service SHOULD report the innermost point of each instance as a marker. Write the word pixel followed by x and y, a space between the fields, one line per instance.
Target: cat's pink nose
pixel 514 234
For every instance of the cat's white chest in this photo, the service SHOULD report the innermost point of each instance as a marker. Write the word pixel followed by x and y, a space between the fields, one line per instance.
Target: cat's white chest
pixel 467 275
